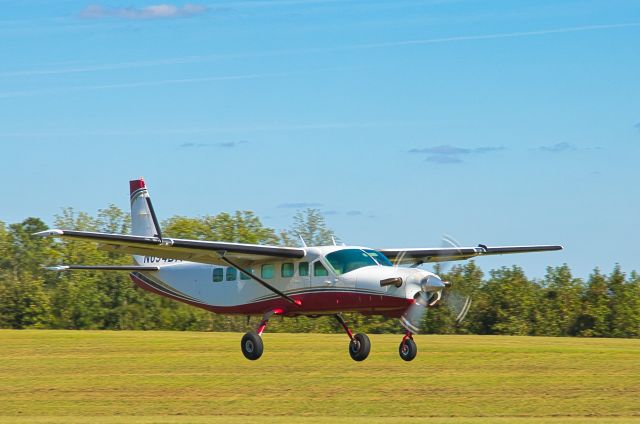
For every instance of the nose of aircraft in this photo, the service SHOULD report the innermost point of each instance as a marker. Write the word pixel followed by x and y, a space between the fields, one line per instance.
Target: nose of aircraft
pixel 421 280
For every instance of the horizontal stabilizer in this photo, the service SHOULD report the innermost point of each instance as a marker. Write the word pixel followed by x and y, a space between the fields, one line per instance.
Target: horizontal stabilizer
pixel 102 268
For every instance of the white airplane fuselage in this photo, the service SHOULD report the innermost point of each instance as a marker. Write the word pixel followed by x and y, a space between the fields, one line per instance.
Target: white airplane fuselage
pixel 311 280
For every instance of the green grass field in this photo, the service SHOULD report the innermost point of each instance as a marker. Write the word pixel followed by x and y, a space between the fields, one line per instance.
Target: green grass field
pixel 182 377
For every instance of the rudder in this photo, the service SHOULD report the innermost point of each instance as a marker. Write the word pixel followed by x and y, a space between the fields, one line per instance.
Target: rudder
pixel 143 217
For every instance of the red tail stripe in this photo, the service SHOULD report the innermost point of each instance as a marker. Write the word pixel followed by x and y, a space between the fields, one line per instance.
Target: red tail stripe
pixel 136 185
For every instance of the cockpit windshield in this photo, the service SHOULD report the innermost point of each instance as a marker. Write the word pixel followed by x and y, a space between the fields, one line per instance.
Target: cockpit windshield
pixel 347 260
pixel 379 257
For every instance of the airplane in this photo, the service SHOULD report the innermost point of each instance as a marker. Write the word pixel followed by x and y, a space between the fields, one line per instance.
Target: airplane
pixel 267 281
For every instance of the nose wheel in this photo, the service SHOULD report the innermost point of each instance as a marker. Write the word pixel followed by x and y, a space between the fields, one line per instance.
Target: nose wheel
pixel 408 348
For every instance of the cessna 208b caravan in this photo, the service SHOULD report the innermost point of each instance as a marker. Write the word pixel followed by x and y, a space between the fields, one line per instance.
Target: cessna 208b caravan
pixel 249 279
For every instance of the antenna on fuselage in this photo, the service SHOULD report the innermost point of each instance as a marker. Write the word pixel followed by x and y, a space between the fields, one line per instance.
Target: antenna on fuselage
pixel 333 239
pixel 302 240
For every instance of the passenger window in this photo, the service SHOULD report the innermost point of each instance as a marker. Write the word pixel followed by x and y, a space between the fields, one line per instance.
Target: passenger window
pixel 244 276
pixel 232 274
pixel 218 274
pixel 319 270
pixel 303 269
pixel 267 271
pixel 286 270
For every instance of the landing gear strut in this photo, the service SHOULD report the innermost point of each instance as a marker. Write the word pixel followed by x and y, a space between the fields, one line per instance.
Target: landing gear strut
pixel 251 344
pixel 359 346
pixel 408 349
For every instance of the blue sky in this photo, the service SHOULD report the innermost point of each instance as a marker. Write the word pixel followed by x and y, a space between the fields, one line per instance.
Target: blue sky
pixel 503 122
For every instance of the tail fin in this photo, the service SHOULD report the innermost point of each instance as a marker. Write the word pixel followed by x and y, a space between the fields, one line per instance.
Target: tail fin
pixel 143 217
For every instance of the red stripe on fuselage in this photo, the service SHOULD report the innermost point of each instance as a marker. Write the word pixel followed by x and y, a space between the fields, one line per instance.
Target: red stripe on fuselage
pixel 317 303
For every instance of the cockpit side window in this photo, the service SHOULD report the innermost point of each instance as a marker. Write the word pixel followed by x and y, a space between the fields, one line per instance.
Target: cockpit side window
pixel 379 257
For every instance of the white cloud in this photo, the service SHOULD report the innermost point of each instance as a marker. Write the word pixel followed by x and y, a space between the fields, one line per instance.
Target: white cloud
pixel 157 11
pixel 558 148
pixel 447 154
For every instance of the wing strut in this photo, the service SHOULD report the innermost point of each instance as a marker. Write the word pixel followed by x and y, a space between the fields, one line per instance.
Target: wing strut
pixel 260 280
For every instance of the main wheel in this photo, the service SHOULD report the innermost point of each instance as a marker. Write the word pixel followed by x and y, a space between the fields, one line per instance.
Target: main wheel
pixel 252 346
pixel 359 347
pixel 408 350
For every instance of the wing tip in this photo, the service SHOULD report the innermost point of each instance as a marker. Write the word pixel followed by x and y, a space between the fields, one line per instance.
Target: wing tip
pixel 49 233
pixel 57 268
pixel 552 247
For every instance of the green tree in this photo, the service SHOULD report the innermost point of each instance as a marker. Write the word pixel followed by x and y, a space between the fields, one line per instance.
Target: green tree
pixel 239 227
pixel 5 248
pixel 633 300
pixel 560 303
pixel 23 301
pixel 78 301
pixel 594 319
pixel 310 225
pixel 509 302
pixel 624 318
pixel 28 253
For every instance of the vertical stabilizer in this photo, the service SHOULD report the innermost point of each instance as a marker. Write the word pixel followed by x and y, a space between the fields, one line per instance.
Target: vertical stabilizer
pixel 143 217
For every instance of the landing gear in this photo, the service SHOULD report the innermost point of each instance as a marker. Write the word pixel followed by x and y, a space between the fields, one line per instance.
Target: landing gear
pixel 408 349
pixel 251 344
pixel 359 346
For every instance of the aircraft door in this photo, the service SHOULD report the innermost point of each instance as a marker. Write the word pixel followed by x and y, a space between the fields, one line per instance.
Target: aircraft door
pixel 323 276
pixel 320 275
pixel 301 276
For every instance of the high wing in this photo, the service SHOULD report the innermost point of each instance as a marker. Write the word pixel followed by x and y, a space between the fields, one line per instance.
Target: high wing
pixel 209 252
pixel 420 256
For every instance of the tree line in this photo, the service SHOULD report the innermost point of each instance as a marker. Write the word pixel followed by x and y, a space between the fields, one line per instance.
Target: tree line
pixel 505 301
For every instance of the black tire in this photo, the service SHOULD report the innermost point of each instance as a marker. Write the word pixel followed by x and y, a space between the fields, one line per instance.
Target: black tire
pixel 359 347
pixel 408 350
pixel 252 346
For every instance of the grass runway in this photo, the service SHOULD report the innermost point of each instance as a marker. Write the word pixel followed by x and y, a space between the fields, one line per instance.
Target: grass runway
pixel 183 377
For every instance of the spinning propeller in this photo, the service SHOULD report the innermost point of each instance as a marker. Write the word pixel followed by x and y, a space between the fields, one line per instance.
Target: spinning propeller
pixel 434 291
